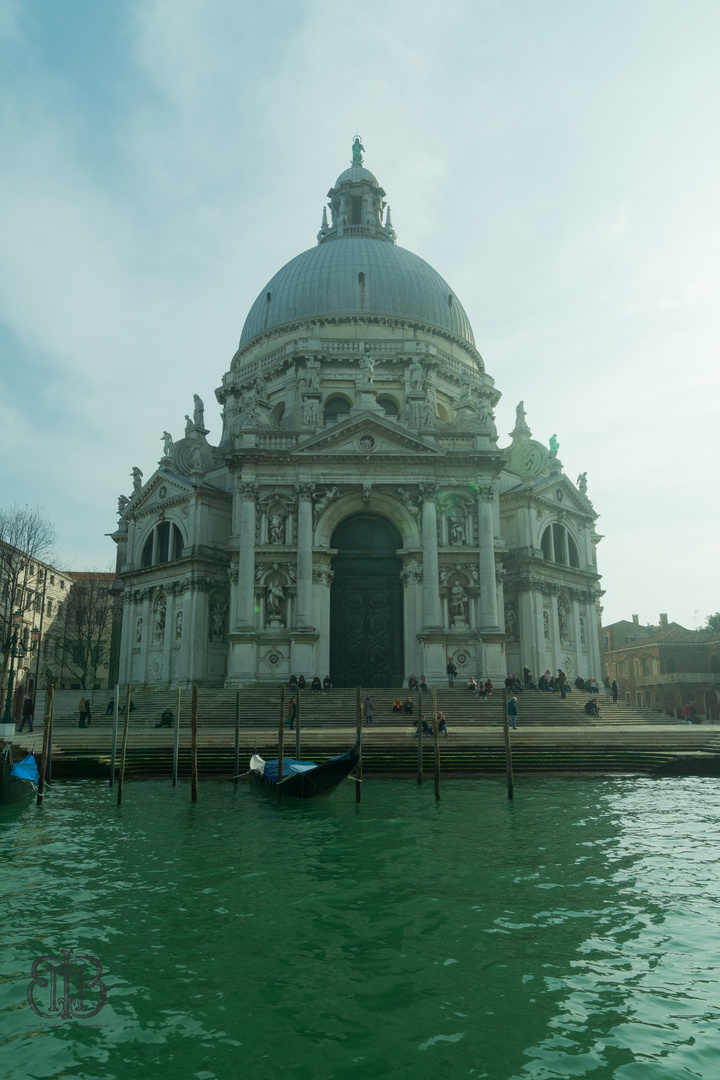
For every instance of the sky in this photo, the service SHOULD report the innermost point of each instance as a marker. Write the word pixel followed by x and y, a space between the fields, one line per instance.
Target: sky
pixel 557 162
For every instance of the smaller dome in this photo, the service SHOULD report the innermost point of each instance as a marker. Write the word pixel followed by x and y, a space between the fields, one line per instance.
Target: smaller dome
pixel 356 174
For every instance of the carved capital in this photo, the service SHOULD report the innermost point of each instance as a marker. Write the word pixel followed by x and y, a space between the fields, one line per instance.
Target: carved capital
pixel 428 492
pixel 305 491
pixel 486 492
pixel 247 492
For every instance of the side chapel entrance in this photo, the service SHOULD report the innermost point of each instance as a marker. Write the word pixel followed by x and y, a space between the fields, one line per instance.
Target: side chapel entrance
pixel 366 604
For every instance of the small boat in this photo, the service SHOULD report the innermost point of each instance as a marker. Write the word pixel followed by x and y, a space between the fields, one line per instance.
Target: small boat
pixel 304 779
pixel 17 782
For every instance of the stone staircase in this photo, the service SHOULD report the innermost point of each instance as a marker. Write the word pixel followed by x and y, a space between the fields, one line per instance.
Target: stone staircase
pixel 553 736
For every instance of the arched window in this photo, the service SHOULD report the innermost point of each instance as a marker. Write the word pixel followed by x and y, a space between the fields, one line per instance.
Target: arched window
pixel 715 664
pixel 164 544
pixel 670 666
pixel 389 405
pixel 645 667
pixel 558 546
pixel 336 408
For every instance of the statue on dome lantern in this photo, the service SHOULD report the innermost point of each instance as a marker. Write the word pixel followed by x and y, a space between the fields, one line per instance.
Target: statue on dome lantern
pixel 357 151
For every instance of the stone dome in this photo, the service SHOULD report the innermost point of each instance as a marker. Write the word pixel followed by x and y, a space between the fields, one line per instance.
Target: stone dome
pixel 357 276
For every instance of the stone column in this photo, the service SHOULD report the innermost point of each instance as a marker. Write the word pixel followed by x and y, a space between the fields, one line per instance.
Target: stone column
pixel 555 635
pixel 593 639
pixel 303 610
pixel 431 574
pixel 486 541
pixel 579 658
pixel 245 608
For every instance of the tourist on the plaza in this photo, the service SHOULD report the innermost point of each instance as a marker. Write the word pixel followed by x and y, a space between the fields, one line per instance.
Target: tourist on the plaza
pixel 28 713
pixel 426 729
pixel 579 683
pixel 606 683
pixel 293 684
pixel 512 684
pixel 301 683
pixel 442 725
pixel 110 706
pixel 694 718
pixel 166 719
pixel 293 712
pixel 512 712
pixel 592 709
pixel 327 685
pixel 481 688
pixel 412 683
pixel 368 710
pixel 316 686
pixel 472 685
pixel 408 706
pixel 562 683
pixel 686 714
pixel 81 710
pixel 451 672
pixel 488 687
pixel 527 676
pixel 615 690
pixel 423 684
pixel 397 705
pixel 593 686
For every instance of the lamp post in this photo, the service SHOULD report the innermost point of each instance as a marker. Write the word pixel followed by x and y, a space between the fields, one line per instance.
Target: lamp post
pixel 7 717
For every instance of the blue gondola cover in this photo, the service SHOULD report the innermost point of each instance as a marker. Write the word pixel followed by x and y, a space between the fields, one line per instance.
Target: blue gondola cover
pixel 290 766
pixel 26 769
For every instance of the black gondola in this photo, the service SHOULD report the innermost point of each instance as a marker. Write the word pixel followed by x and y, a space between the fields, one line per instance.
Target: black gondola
pixel 304 779
pixel 17 782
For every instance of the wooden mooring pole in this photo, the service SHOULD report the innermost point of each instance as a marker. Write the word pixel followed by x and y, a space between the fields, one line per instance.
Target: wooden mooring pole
pixel 508 749
pixel 359 723
pixel 297 723
pixel 176 741
pixel 46 741
pixel 121 778
pixel 419 738
pixel 437 742
pixel 113 747
pixel 281 743
pixel 236 771
pixel 194 746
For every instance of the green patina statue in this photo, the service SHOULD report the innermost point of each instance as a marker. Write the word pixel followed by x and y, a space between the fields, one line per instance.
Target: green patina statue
pixel 554 444
pixel 358 150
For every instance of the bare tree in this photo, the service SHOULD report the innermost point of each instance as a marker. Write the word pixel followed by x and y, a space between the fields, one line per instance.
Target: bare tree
pixel 26 538
pixel 79 638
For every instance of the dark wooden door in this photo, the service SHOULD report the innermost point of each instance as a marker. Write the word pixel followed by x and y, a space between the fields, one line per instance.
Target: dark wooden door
pixel 366 605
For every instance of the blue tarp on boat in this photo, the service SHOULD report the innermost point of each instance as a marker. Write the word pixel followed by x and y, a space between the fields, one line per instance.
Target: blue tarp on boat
pixel 290 766
pixel 26 769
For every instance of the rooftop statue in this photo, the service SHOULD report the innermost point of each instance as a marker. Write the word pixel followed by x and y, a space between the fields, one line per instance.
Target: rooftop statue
pixel 198 412
pixel 582 483
pixel 357 151
pixel 554 444
pixel 137 478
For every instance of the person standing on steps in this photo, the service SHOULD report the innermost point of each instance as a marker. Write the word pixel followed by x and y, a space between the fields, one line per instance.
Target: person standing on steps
pixel 368 710
pixel 81 710
pixel 451 672
pixel 88 712
pixel 512 713
pixel 562 683
pixel 614 687
pixel 293 712
pixel 28 713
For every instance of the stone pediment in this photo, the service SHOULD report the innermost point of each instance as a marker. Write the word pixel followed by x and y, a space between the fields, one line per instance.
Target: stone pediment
pixel 367 434
pixel 161 490
pixel 561 492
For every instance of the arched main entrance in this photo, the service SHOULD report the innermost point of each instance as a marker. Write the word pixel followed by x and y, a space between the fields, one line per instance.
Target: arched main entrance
pixel 366 604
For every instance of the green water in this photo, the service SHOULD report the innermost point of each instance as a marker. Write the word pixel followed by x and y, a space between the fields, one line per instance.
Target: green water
pixel 571 933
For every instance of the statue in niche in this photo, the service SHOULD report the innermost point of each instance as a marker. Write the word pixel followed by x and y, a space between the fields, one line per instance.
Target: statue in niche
pixel 178 625
pixel 122 503
pixel 458 600
pixel 275 596
pixel 137 478
pixel 138 630
pixel 510 621
pixel 310 412
pixel 563 622
pixel 276 529
pixel 546 625
pixel 312 367
pixel 217 623
pixel 198 412
pixel 582 483
pixel 465 389
pixel 457 529
pixel 582 630
pixel 160 612
pixel 260 387
pixel 416 375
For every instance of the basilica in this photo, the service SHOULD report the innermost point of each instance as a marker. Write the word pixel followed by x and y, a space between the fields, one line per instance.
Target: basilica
pixel 357 516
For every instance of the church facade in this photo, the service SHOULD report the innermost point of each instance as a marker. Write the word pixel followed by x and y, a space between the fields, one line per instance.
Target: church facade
pixel 357 516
